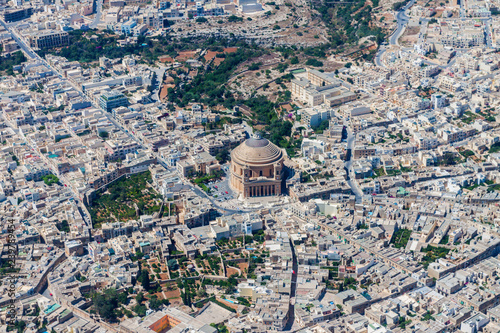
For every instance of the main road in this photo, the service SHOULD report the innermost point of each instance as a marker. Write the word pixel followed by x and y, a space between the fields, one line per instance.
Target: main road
pixel 402 20
pixel 353 184
pixel 98 13
pixel 160 73
pixel 29 52
pixel 293 289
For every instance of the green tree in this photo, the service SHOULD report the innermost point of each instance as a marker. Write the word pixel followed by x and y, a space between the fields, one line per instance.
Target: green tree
pixel 201 293
pixel 50 179
pixel 314 62
pixel 448 159
pixel 7 63
pixel 155 303
pixel 145 279
pixel 173 265
pixel 123 298
pixel 325 124
pixel 19 325
pixel 140 310
pixel 223 156
pixel 140 297
pixel 106 304
pixel 64 226
pixel 398 5
pixel 234 18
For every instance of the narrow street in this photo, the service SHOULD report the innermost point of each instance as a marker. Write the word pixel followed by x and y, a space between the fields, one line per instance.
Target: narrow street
pixel 98 14
pixel 293 289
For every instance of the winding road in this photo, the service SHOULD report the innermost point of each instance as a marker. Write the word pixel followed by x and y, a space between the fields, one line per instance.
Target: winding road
pixel 402 20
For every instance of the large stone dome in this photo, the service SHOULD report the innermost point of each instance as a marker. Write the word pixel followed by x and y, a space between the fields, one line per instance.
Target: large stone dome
pixel 257 150
pixel 257 168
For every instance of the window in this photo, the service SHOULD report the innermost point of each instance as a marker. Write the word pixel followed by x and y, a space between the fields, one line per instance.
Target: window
pixel 260 173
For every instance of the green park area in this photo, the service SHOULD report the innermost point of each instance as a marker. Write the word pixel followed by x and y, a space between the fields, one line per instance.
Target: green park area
pixel 401 238
pixel 7 63
pixel 125 199
pixel 433 253
pixel 50 179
